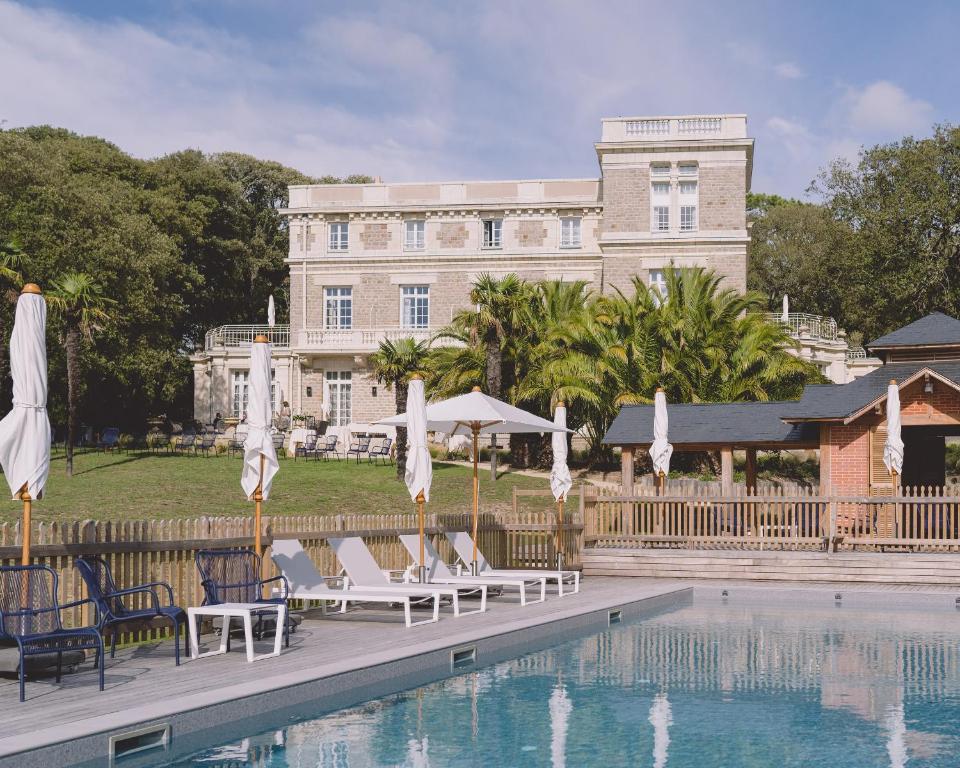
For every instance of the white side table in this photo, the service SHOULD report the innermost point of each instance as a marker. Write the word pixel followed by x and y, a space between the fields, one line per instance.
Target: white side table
pixel 230 611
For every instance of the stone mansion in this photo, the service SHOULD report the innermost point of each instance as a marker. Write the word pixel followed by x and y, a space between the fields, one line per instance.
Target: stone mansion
pixel 384 261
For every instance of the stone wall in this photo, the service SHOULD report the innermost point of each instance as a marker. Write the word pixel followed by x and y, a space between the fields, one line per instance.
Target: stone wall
pixel 626 200
pixel 722 198
pixel 375 237
pixel 452 234
pixel 531 233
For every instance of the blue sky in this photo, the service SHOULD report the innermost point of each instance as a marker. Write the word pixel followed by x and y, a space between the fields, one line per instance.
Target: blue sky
pixel 495 89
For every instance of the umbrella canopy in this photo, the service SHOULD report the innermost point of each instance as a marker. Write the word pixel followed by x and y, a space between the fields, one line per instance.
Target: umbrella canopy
pixel 259 411
pixel 893 447
pixel 660 448
pixel 271 312
pixel 464 414
pixel 419 470
pixel 25 431
pixel 560 480
pixel 785 315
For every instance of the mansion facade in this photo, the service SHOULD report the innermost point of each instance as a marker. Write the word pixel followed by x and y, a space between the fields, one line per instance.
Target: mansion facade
pixel 385 261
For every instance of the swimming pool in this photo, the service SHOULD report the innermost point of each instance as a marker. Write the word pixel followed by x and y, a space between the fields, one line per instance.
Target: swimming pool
pixel 707 684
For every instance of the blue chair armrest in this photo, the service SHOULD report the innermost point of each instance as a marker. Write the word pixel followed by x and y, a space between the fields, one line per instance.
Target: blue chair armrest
pixel 142 588
pixel 77 603
pixel 163 584
pixel 281 578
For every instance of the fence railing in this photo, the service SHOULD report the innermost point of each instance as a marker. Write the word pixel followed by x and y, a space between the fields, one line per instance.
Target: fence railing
pixel 164 550
pixel 243 335
pixel 917 519
pixel 800 323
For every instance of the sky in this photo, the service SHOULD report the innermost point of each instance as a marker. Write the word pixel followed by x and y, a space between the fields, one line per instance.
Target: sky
pixel 482 90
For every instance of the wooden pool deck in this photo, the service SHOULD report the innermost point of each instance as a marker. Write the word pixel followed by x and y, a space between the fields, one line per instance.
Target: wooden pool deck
pixel 143 684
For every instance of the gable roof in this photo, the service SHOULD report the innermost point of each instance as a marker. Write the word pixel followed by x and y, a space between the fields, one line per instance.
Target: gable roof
pixel 705 424
pixel 936 329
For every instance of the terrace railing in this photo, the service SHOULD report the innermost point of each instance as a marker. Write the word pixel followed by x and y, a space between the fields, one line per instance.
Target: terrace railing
pixel 800 323
pixel 226 336
pixel 917 519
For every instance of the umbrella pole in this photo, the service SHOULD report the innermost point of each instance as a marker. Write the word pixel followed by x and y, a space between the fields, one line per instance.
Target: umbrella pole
pixel 559 544
pixel 26 524
pixel 423 558
pixel 258 510
pixel 476 495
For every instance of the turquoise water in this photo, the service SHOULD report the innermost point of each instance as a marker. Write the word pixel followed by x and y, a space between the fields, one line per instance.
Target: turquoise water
pixel 692 688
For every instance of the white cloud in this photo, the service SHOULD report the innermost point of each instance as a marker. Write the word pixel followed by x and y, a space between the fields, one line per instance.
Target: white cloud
pixel 788 70
pixel 883 108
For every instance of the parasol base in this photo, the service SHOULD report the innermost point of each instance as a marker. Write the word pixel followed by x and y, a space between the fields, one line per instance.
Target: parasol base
pixel 559 561
pixel 422 574
pixel 474 568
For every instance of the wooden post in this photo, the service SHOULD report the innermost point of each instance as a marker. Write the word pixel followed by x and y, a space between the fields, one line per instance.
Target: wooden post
pixel 726 470
pixel 476 494
pixel 751 471
pixel 26 526
pixel 423 559
pixel 626 470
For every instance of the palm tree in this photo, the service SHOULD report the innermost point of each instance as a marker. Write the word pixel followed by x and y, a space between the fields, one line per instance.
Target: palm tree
pixel 393 364
pixel 79 300
pixel 11 279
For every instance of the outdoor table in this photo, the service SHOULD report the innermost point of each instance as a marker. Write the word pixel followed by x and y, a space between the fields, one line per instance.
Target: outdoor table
pixel 230 611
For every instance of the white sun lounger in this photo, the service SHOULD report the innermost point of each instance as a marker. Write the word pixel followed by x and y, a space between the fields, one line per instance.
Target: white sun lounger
pixel 439 573
pixel 463 544
pixel 364 572
pixel 306 583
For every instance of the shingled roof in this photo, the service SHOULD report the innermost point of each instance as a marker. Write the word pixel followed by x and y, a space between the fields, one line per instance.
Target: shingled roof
pixel 934 330
pixel 714 424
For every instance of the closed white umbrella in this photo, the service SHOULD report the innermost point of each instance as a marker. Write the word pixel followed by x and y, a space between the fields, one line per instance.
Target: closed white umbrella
pixel 560 480
pixel 325 409
pixel 560 709
pixel 893 447
pixel 661 718
pixel 418 473
pixel 785 315
pixel 660 448
pixel 25 431
pixel 271 312
pixel 476 414
pixel 259 456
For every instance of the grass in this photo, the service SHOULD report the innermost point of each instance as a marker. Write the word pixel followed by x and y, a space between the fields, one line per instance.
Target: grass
pixel 132 486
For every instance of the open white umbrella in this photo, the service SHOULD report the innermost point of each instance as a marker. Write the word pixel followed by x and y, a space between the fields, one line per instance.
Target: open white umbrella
pixel 785 315
pixel 560 480
pixel 418 473
pixel 25 431
pixel 271 312
pixel 893 447
pixel 475 414
pixel 660 448
pixel 259 456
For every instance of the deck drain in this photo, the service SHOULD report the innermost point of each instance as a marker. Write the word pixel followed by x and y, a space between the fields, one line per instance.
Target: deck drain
pixel 614 617
pixel 141 740
pixel 463 658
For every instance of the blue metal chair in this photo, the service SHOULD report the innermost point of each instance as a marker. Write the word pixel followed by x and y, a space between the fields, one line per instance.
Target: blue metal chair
pixel 380 450
pixel 109 440
pixel 233 576
pixel 358 447
pixel 111 610
pixel 30 616
pixel 307 448
pixel 327 446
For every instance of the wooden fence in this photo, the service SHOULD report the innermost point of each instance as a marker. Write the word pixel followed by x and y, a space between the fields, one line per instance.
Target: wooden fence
pixel 918 519
pixel 164 550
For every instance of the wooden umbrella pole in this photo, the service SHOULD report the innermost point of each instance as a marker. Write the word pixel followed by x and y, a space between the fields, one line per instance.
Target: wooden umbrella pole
pixel 423 555
pixel 476 494
pixel 26 524
pixel 258 510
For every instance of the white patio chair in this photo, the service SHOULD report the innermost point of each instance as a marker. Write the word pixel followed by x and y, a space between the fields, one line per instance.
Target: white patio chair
pixel 439 573
pixel 463 545
pixel 306 583
pixel 363 571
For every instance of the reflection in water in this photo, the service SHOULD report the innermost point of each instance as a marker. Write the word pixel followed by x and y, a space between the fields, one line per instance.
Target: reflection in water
pixel 560 708
pixel 661 718
pixel 709 685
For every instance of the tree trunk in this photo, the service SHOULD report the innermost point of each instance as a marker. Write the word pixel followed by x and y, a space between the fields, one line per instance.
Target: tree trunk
pixel 72 346
pixel 400 393
pixel 494 365
pixel 519 456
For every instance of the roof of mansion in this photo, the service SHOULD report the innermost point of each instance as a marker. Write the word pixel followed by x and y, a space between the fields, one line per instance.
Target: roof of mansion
pixel 934 330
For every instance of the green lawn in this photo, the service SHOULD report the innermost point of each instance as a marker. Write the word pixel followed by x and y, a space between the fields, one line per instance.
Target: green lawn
pixel 144 486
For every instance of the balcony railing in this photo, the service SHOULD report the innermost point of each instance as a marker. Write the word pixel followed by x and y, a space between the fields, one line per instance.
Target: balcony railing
pixel 355 339
pixel 856 353
pixel 243 335
pixel 811 326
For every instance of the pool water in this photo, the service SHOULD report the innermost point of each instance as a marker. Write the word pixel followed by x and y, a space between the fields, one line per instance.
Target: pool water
pixel 702 685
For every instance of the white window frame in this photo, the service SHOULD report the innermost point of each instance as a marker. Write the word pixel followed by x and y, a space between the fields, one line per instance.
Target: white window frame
pixel 571 237
pixel 340 387
pixel 688 198
pixel 658 286
pixel 659 170
pixel 411 297
pixel 496 233
pixel 240 391
pixel 661 202
pixel 688 170
pixel 338 240
pixel 337 296
pixel 414 234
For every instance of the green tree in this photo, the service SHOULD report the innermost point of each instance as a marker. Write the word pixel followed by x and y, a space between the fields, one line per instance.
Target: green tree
pixel 11 278
pixel 393 364
pixel 80 302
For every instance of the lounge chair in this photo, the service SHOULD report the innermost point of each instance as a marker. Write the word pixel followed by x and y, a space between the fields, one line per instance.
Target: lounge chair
pixel 381 450
pixel 304 582
pixel 111 610
pixel 439 573
pixel 358 447
pixel 30 617
pixel 363 571
pixel 463 545
pixel 109 440
pixel 233 576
